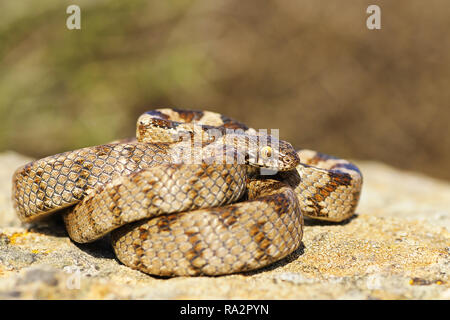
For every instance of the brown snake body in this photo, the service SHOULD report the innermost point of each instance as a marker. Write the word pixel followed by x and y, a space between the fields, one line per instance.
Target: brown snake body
pixel 206 212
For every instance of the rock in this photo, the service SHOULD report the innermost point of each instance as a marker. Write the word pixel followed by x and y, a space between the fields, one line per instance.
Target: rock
pixel 397 246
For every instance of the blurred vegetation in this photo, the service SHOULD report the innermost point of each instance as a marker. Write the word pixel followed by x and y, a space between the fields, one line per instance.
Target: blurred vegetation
pixel 310 68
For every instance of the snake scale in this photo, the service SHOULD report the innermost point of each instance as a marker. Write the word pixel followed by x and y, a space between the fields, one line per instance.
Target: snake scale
pixel 188 195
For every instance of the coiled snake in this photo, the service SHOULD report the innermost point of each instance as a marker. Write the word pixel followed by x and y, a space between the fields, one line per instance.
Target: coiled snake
pixel 186 197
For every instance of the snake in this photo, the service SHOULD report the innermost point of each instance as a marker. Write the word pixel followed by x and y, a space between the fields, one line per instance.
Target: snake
pixel 195 193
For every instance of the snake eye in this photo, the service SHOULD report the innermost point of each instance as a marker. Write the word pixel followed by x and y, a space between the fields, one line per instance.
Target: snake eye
pixel 266 152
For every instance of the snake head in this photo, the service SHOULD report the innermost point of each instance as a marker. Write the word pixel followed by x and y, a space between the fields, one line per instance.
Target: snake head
pixel 254 149
pixel 273 154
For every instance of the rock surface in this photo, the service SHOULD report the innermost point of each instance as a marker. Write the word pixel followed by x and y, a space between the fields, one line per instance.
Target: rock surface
pixel 397 246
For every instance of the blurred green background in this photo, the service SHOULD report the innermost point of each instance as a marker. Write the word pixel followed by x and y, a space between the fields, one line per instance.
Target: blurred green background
pixel 308 67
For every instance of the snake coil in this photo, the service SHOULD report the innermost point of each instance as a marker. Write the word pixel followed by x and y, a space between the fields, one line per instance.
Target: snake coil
pixel 186 198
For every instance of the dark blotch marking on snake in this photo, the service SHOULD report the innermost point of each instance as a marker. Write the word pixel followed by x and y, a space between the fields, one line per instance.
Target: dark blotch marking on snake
pixel 26 169
pixel 41 189
pixel 90 217
pixel 102 150
pixel 165 222
pixel 189 116
pixel 348 166
pixel 227 216
pixel 232 124
pixel 258 235
pixel 205 171
pixel 337 179
pixel 164 124
pixel 319 157
pixel 140 252
pixel 128 150
pixel 196 252
pixel 114 195
pixel 159 114
pixel 282 202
